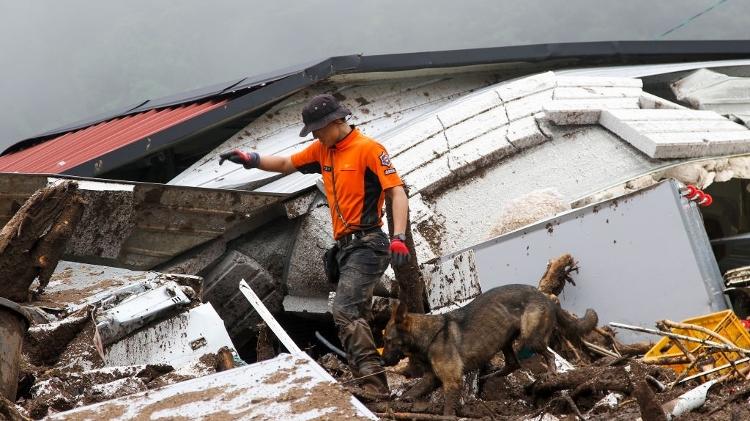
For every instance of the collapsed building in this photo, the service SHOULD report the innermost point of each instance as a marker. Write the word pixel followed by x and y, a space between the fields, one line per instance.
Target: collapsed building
pixel 509 161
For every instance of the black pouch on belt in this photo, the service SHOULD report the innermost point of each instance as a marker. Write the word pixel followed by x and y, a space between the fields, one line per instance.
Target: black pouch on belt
pixel 331 264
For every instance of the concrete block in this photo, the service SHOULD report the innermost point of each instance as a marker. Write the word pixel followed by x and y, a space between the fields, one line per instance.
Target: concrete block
pixel 525 133
pixel 400 140
pixel 728 146
pixel 689 126
pixel 594 92
pixel 480 151
pixel 468 107
pixel 526 86
pixel 563 81
pixel 476 126
pixel 663 115
pixel 655 145
pixel 565 116
pixel 420 154
pixel 428 176
pixel 528 105
pixel 650 101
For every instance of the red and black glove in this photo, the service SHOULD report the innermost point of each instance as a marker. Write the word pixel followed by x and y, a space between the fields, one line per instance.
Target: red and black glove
pixel 399 251
pixel 247 159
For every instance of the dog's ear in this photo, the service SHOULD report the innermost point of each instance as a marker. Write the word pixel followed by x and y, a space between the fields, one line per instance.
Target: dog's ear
pixel 399 314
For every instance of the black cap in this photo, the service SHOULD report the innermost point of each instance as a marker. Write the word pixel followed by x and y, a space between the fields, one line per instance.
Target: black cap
pixel 321 111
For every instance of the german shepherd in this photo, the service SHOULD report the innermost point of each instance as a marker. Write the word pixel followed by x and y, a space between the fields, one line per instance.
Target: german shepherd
pixel 465 339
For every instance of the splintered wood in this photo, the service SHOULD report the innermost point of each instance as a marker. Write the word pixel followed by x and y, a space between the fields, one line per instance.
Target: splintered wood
pixel 34 239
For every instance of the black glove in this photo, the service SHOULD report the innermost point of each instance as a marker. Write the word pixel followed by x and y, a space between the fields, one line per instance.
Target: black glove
pixel 247 159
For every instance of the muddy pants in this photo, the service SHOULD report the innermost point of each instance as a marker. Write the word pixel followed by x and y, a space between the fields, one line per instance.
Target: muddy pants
pixel 362 262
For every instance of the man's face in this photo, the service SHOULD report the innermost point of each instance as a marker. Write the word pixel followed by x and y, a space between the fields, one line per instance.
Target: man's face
pixel 328 135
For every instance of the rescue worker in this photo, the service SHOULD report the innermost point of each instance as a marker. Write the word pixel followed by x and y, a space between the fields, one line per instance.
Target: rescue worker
pixel 357 175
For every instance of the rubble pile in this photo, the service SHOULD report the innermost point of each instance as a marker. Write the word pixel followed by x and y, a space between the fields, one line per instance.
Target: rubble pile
pixel 61 367
pixel 607 380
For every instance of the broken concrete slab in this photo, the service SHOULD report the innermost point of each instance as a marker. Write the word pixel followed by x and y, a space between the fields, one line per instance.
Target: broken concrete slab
pixel 428 176
pixel 476 126
pixel 677 133
pixel 587 111
pixel 411 133
pixel 710 90
pixel 595 81
pixel 421 153
pixel 528 105
pixel 468 107
pixel 526 86
pixel 595 92
pixel 650 101
pixel 525 133
pixel 480 151
pixel 288 387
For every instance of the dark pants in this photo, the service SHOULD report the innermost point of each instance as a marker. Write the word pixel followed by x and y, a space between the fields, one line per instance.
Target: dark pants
pixel 361 264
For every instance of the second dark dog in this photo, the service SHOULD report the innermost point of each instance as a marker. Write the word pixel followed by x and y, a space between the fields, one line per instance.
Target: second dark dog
pixel 449 345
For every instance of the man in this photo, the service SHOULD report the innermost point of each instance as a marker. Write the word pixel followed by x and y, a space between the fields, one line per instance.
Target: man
pixel 357 175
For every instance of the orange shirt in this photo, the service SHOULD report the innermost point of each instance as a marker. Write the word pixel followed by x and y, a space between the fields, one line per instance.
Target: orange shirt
pixel 355 171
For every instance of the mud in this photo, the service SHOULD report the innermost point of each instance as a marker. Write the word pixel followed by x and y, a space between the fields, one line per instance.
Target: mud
pixel 511 397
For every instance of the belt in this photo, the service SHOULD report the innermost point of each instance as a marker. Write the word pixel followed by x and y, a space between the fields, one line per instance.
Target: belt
pixel 348 238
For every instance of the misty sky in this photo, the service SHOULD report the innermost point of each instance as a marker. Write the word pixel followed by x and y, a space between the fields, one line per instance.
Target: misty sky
pixel 64 61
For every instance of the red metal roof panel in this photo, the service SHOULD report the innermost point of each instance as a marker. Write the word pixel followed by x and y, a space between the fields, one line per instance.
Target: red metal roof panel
pixel 74 148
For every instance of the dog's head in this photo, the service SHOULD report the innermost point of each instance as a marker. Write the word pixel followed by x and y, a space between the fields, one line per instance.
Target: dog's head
pixel 393 338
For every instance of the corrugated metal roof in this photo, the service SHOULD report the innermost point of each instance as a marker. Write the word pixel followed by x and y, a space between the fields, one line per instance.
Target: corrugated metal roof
pixel 78 147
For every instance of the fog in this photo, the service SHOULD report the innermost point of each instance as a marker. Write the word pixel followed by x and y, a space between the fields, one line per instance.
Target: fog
pixel 64 61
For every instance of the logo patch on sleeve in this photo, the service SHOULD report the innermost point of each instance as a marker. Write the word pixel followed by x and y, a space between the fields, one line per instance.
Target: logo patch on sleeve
pixel 390 171
pixel 385 160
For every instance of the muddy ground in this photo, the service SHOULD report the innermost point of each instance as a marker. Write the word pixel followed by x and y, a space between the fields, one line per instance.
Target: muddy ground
pixel 510 398
pixel 75 375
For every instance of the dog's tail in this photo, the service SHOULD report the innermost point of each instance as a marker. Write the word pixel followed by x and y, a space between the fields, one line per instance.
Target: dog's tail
pixel 573 327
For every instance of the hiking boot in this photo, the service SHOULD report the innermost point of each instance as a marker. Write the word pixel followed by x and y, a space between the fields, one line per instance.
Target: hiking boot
pixel 374 383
